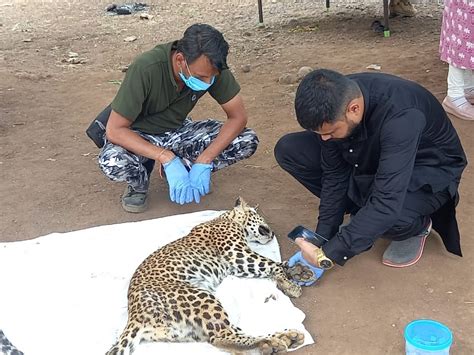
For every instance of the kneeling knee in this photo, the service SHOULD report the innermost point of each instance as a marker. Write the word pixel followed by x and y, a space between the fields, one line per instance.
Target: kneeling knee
pixel 281 150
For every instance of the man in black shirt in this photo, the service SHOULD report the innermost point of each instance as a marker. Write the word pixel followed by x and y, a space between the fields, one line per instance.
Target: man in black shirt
pixel 382 149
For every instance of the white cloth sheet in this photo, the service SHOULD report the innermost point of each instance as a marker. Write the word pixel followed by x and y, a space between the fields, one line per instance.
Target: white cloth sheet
pixel 66 293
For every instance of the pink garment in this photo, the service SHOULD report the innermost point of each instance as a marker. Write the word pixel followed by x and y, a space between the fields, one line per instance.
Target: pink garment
pixel 457 34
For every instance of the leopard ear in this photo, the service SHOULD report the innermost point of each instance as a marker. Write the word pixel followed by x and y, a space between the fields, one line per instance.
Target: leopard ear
pixel 256 207
pixel 240 202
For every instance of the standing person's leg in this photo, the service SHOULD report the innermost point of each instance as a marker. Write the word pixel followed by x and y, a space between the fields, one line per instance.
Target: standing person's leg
pixel 455 82
pixel 469 85
pixel 455 102
pixel 300 155
pixel 408 235
pixel 193 137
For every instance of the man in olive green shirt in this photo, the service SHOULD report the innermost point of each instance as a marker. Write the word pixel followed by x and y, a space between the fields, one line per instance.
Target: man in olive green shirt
pixel 148 119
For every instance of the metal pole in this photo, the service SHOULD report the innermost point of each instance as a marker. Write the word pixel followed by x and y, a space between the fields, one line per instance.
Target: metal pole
pixel 260 12
pixel 327 5
pixel 386 31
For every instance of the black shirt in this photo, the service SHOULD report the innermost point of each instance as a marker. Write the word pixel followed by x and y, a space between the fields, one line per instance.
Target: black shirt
pixel 404 142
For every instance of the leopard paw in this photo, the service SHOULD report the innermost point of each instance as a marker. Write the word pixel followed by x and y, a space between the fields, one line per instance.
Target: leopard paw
pixel 280 342
pixel 272 345
pixel 292 338
pixel 289 288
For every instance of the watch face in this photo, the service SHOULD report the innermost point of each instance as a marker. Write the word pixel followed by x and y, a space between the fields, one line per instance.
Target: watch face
pixel 326 264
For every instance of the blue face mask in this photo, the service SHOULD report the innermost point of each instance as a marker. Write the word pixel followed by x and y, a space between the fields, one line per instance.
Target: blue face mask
pixel 194 83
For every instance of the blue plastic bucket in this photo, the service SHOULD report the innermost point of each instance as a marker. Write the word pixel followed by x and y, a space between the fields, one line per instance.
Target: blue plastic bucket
pixel 425 336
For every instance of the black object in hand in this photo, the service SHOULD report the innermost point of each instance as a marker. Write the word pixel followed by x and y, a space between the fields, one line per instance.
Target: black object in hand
pixel 310 236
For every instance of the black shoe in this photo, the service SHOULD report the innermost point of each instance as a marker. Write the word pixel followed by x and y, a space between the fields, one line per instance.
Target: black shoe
pixel 133 201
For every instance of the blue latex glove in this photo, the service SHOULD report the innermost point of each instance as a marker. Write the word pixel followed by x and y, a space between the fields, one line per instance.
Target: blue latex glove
pixel 298 258
pixel 178 181
pixel 200 177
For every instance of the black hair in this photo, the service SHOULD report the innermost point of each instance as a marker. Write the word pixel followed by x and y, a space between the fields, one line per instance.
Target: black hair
pixel 201 39
pixel 322 97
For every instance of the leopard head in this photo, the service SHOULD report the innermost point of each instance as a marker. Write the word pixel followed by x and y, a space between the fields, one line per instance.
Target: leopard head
pixel 256 229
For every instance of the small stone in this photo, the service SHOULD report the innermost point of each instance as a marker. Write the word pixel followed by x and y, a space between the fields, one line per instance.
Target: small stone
pixel 287 79
pixel 245 68
pixel 130 39
pixel 247 33
pixel 123 68
pixel 27 40
pixel 303 71
pixel 74 60
pixel 31 76
pixel 111 7
pixel 73 55
pixel 293 22
pixel 146 17
pixel 373 67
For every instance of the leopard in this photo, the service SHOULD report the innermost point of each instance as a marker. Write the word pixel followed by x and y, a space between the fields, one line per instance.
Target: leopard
pixel 171 295
pixel 6 347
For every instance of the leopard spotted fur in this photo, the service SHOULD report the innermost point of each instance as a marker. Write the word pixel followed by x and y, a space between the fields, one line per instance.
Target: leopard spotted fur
pixel 171 294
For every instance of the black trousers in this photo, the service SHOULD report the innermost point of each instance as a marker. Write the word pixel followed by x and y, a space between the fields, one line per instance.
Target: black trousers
pixel 300 155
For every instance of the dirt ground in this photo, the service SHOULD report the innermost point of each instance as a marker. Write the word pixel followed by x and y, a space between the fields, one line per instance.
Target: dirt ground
pixel 50 181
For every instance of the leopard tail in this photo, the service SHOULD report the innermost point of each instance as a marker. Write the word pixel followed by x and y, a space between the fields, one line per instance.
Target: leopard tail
pixel 127 342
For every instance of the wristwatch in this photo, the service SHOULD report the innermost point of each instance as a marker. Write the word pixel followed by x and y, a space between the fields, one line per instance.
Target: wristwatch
pixel 323 261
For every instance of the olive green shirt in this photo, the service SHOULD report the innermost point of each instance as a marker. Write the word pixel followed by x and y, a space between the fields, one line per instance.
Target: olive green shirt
pixel 149 95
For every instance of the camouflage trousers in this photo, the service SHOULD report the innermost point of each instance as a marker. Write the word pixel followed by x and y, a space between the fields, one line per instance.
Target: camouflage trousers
pixel 187 142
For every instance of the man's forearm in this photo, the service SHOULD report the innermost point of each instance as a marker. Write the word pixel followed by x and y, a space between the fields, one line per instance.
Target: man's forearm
pixel 132 141
pixel 332 208
pixel 118 132
pixel 231 129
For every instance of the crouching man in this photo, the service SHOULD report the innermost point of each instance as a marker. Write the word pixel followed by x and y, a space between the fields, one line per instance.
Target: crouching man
pixel 148 120
pixel 382 149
